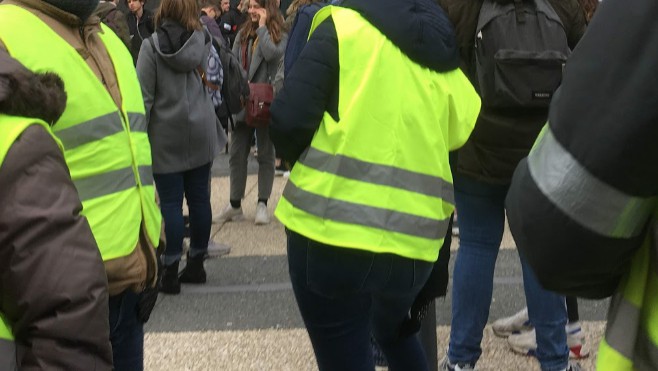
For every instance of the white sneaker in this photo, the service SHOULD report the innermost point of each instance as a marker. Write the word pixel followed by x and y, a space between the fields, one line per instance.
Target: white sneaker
pixel 229 214
pixel 445 365
pixel 262 217
pixel 526 343
pixel 216 250
pixel 514 324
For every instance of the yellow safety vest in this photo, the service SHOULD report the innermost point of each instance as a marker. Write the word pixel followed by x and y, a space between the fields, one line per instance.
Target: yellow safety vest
pixel 631 337
pixel 12 127
pixel 379 180
pixel 106 149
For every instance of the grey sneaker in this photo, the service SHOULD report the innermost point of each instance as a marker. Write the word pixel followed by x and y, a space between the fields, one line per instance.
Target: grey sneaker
pixel 262 216
pixel 229 214
pixel 445 365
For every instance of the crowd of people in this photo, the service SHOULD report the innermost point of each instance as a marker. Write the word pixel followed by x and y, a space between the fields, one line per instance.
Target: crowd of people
pixel 388 114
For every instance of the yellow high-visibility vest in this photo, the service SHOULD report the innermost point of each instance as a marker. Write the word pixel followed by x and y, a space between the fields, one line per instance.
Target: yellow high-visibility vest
pixel 379 179
pixel 631 336
pixel 106 148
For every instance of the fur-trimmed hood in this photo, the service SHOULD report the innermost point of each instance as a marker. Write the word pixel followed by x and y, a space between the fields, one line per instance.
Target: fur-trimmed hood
pixel 23 93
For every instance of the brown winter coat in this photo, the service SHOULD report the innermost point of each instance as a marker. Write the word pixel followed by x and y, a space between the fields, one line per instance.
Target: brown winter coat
pixel 501 139
pixel 53 287
pixel 137 270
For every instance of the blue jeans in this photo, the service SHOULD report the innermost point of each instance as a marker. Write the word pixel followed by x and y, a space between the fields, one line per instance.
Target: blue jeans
pixel 481 210
pixel 194 184
pixel 344 295
pixel 126 332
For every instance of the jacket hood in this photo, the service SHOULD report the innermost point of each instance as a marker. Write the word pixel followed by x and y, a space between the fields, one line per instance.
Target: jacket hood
pixel 420 28
pixel 24 93
pixel 182 50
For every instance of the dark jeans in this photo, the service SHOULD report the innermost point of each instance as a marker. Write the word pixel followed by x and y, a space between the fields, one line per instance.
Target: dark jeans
pixel 194 185
pixel 126 332
pixel 481 210
pixel 344 295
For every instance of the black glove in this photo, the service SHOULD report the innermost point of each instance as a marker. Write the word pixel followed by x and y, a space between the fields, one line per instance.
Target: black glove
pixel 149 296
pixel 436 286
pixel 147 301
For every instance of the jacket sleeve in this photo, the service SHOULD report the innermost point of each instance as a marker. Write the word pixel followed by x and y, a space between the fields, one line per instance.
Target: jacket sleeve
pixel 271 52
pixel 464 105
pixel 310 90
pixel 53 285
pixel 147 75
pixel 580 205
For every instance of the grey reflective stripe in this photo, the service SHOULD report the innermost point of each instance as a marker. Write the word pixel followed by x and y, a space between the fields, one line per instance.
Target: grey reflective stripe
pixel 137 122
pixel 90 131
pixel 369 172
pixel 105 184
pixel 623 324
pixel 584 198
pixel 369 216
pixel 146 174
pixel 8 355
pixel 626 334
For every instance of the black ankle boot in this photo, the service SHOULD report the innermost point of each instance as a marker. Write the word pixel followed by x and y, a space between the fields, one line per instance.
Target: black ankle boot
pixel 194 271
pixel 170 283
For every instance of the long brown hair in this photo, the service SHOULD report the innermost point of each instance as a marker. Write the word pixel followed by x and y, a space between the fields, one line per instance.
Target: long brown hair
pixel 589 6
pixel 274 23
pixel 184 12
pixel 291 12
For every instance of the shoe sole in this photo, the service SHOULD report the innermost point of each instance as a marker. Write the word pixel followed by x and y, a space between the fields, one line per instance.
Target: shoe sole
pixel 506 334
pixel 256 222
pixel 574 352
pixel 231 219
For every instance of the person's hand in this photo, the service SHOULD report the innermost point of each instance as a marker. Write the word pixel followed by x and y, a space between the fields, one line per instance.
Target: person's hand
pixel 262 16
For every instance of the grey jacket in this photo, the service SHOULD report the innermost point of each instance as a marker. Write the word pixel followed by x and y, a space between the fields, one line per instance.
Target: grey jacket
pixel 182 125
pixel 265 58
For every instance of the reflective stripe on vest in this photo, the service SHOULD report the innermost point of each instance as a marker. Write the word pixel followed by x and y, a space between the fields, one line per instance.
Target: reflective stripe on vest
pixel 379 180
pixel 107 149
pixel 577 193
pixel 631 337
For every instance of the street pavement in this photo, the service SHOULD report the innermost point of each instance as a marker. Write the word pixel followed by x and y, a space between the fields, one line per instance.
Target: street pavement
pixel 245 316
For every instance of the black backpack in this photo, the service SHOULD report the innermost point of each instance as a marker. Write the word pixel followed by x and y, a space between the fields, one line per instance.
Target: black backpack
pixel 235 88
pixel 520 50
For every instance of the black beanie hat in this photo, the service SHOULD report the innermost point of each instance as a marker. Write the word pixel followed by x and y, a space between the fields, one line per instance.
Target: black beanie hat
pixel 82 8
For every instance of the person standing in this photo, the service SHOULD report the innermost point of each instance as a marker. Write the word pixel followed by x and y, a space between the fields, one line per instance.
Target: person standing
pixel 484 166
pixel 140 25
pixel 106 147
pixel 259 46
pixel 369 197
pixel 588 188
pixel 53 312
pixel 183 132
pixel 230 21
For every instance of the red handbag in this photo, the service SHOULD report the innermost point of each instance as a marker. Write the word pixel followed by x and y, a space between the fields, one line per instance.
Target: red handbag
pixel 258 106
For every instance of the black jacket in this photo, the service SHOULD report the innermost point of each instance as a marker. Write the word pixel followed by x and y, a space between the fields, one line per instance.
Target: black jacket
pixel 229 23
pixel 501 138
pixel 418 27
pixel 605 116
pixel 139 31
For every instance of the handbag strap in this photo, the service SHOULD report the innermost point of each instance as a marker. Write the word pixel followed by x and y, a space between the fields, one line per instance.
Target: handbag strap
pixel 207 83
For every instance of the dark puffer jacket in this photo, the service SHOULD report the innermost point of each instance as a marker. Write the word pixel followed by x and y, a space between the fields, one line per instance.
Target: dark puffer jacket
pixel 53 287
pixel 501 138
